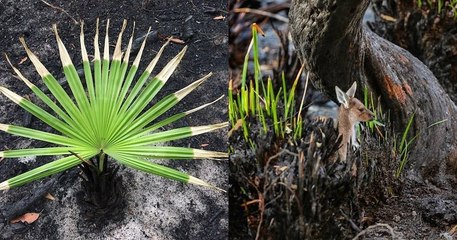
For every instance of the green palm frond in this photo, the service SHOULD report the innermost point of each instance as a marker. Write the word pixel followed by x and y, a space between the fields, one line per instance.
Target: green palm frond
pixel 106 114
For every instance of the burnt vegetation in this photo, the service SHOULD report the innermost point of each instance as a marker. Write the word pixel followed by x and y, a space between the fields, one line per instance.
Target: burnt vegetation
pixel 294 188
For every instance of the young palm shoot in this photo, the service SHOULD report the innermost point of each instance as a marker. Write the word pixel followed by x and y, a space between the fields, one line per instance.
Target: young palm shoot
pixel 106 117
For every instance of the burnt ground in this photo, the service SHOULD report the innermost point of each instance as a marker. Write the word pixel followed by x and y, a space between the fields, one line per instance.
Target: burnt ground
pixel 336 202
pixel 151 207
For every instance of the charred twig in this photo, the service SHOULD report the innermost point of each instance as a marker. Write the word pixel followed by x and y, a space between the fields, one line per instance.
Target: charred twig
pixel 262 13
pixel 277 155
pixel 378 227
pixel 351 222
pixel 295 196
pixel 262 210
pixel 266 189
pixel 62 10
pixel 213 10
pixel 211 220
pixel 82 160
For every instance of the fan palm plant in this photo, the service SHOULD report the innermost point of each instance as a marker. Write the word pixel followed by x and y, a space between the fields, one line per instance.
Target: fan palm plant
pixel 106 116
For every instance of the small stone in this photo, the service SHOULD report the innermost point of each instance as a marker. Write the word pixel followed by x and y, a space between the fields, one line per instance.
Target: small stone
pixel 397 218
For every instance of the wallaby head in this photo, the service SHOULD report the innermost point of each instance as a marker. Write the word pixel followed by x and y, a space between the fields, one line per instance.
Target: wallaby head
pixel 351 112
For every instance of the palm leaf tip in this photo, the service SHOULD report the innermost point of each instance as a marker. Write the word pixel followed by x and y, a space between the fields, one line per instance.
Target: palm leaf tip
pixel 19 74
pixel 4 127
pixel 129 46
pixel 202 106
pixel 64 56
pixel 4 186
pixel 41 69
pixel 117 55
pixel 96 43
pixel 196 181
pixel 106 48
pixel 84 56
pixel 136 62
pixel 185 91
pixel 154 61
pixel 198 153
pixel 11 95
pixel 209 128
pixel 166 72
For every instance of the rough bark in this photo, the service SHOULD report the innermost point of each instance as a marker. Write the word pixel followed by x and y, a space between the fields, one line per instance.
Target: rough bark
pixel 427 34
pixel 338 50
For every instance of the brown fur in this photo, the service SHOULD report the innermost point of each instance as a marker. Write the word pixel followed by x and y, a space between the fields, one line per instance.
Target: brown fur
pixel 351 111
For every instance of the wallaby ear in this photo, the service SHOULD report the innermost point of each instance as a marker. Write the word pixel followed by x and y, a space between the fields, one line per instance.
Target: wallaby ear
pixel 342 97
pixel 351 91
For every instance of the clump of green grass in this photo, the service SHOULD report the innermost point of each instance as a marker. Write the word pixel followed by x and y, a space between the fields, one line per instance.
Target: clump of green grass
pixel 375 108
pixel 402 142
pixel 254 100
pixel 403 149
pixel 441 6
pixel 400 151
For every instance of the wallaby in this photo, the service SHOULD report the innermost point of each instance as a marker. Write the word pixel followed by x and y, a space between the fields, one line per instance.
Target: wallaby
pixel 351 112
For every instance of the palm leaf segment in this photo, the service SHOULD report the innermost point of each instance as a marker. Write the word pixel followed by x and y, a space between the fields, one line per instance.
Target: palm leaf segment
pixel 108 115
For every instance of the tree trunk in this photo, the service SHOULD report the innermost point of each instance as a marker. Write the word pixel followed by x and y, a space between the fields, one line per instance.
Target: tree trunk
pixel 338 50
pixel 427 34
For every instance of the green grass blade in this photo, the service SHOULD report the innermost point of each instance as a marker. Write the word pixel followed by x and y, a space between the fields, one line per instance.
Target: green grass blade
pixel 231 104
pixel 437 123
pixel 244 73
pixel 289 109
pixel 257 74
pixel 405 133
pixel 252 99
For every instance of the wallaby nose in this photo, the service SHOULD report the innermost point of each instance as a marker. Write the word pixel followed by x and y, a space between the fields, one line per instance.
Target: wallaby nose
pixel 370 114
